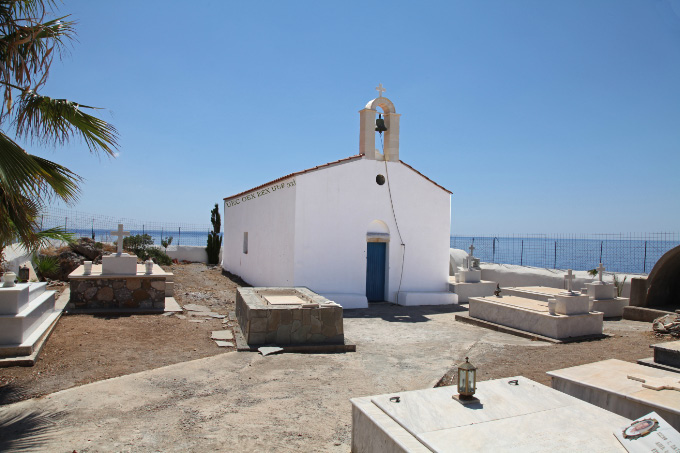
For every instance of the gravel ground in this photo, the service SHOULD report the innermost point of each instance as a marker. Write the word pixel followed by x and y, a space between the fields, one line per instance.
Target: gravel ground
pixel 628 340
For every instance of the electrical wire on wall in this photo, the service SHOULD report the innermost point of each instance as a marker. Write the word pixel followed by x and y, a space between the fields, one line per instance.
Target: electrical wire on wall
pixel 394 215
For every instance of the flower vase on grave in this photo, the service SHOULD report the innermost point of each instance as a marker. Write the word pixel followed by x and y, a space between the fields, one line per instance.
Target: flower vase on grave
pixel 149 266
pixel 8 279
pixel 87 267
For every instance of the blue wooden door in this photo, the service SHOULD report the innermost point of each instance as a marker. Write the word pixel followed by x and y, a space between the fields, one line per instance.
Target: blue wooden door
pixel 375 271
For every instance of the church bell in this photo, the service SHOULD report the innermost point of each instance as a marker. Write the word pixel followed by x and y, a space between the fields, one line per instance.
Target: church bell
pixel 380 124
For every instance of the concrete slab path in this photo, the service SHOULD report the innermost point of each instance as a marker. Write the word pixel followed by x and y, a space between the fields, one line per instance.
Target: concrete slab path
pixel 242 401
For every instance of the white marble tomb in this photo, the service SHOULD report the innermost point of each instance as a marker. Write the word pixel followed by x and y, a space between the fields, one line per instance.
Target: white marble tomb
pixel 563 317
pixel 27 311
pixel 619 387
pixel 528 417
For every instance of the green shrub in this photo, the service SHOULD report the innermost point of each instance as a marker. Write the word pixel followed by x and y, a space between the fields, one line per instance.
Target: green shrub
pixel 158 256
pixel 138 244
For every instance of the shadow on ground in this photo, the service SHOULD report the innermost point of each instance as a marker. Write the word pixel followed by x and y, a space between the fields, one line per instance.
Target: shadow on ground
pixel 25 431
pixel 399 313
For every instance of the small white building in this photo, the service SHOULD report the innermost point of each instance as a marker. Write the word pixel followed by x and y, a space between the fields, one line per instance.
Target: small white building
pixel 365 228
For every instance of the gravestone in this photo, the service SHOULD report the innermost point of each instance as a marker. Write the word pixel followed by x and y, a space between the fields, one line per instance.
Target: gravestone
pixel 604 296
pixel 119 285
pixel 467 281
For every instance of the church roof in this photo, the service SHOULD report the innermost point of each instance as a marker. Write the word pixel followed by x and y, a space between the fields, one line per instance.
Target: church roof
pixel 319 167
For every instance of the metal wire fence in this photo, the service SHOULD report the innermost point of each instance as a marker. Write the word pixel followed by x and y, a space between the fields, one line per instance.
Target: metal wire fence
pixel 619 252
pixel 99 227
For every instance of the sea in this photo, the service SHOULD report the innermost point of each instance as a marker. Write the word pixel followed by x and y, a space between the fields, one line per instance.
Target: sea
pixel 625 253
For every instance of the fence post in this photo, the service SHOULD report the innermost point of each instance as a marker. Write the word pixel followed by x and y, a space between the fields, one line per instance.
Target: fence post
pixel 521 255
pixel 644 263
pixel 493 259
pixel 179 235
pixel 555 263
pixel 601 242
pixel 65 222
pixel 42 217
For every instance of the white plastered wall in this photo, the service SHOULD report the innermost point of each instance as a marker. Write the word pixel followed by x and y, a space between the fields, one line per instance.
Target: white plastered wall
pixel 268 215
pixel 334 209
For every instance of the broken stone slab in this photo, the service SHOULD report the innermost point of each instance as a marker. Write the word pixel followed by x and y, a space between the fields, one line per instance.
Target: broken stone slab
pixel 195 307
pixel 216 315
pixel 167 314
pixel 222 335
pixel 196 320
pixel 224 344
pixel 181 316
pixel 202 313
pixel 266 350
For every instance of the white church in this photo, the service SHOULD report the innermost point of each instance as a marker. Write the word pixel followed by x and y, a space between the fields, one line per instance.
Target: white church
pixel 362 229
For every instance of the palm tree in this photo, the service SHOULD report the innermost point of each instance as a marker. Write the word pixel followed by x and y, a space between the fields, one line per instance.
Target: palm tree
pixel 30 37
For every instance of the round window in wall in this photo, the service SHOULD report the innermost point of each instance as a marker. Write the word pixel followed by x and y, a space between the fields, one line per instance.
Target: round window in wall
pixel 380 179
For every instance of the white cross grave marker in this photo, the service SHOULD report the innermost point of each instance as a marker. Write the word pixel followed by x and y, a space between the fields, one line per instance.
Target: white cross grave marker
pixel 120 233
pixel 600 270
pixel 569 278
pixel 469 258
pixel 380 89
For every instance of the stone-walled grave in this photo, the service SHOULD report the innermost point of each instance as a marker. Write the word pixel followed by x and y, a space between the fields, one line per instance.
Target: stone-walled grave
pixel 122 293
pixel 288 316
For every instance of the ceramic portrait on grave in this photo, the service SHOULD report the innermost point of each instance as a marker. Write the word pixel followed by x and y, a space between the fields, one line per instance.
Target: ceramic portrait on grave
pixel 641 428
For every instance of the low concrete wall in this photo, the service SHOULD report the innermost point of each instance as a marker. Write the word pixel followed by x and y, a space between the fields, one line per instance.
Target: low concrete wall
pixel 195 254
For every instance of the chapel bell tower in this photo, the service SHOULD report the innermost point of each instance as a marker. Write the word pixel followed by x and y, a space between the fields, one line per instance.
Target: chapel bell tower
pixel 369 126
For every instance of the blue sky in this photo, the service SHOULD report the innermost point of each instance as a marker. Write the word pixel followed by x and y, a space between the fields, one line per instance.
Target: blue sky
pixel 539 116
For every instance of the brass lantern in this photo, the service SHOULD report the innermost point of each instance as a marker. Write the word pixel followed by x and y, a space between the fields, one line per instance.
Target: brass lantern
pixel 467 383
pixel 24 273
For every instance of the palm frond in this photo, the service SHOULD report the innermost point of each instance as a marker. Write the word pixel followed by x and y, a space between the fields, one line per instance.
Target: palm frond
pixel 28 175
pixel 60 120
pixel 28 44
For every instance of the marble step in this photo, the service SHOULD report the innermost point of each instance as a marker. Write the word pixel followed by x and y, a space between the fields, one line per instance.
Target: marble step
pixel 15 299
pixel 16 328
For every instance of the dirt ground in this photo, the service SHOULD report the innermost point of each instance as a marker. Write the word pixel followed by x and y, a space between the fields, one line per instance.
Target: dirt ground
pixel 628 341
pixel 86 348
